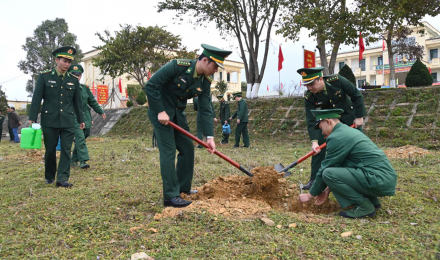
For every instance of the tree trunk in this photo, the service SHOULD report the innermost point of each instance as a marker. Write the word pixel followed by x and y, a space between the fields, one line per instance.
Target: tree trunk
pixel 322 54
pixel 255 90
pixel 391 54
pixel 331 66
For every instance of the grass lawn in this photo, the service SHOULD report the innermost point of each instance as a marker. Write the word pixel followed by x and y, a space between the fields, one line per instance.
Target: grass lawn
pixel 93 219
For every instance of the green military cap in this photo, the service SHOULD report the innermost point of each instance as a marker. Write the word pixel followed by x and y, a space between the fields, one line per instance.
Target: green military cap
pixel 65 52
pixel 310 74
pixel 236 94
pixel 76 68
pixel 326 114
pixel 216 54
pixel 220 96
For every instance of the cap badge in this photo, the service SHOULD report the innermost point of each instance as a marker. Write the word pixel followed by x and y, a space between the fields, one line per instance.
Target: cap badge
pixel 70 51
pixel 303 74
pixel 75 68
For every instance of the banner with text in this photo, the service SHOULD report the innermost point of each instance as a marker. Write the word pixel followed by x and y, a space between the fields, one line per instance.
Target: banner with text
pixel 102 94
pixel 309 59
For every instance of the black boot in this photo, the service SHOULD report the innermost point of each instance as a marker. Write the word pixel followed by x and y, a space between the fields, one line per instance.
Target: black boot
pixel 176 202
pixel 309 185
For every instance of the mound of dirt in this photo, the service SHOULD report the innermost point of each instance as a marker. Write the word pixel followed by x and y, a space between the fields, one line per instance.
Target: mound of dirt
pixel 407 151
pixel 244 197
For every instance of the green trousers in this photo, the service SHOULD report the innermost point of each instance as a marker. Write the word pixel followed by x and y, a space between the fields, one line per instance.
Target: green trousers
pixel 50 158
pixel 11 134
pixel 317 159
pixel 175 178
pixel 242 130
pixel 80 152
pixel 346 187
pixel 1 132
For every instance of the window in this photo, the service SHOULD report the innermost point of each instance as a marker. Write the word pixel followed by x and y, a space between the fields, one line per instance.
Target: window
pixel 380 60
pixel 228 77
pixel 362 64
pixel 433 54
pixel 361 83
pixel 341 64
pixel 434 76
pixel 221 75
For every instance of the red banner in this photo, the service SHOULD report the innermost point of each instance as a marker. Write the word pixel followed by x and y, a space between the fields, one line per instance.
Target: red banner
pixel 387 71
pixel 309 59
pixel 102 94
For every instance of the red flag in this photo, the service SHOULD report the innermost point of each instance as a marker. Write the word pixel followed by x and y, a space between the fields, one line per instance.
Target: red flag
pixel 149 75
pixel 280 59
pixel 429 70
pixel 383 45
pixel 268 84
pixel 120 86
pixel 281 85
pixel 361 46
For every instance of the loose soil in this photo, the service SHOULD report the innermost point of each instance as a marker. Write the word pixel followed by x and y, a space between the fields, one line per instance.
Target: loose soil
pixel 243 197
pixel 407 151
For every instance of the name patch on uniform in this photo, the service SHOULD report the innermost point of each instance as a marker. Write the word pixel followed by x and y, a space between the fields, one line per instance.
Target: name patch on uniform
pixel 51 81
pixel 70 83
pixel 182 79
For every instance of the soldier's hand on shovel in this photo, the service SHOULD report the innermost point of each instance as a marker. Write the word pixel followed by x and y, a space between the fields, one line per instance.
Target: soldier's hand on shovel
pixel 211 143
pixel 358 122
pixel 315 148
pixel 163 118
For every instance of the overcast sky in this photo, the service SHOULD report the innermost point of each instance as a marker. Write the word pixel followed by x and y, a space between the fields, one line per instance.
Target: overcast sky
pixel 20 18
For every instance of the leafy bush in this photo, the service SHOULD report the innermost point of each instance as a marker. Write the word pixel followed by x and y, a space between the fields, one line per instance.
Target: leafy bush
pixel 418 75
pixel 347 73
pixel 141 98
pixel 129 103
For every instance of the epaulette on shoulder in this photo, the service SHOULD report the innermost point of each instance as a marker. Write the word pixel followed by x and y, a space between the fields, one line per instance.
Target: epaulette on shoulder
pixel 45 71
pixel 307 94
pixel 185 63
pixel 209 78
pixel 73 75
pixel 84 85
pixel 332 78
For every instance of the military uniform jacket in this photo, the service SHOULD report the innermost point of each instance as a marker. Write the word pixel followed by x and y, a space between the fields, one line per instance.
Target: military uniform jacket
pixel 338 93
pixel 242 111
pixel 87 99
pixel 350 148
pixel 225 112
pixel 170 88
pixel 62 100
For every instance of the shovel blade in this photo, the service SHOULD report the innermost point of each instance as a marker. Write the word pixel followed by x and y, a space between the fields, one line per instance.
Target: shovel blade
pixel 279 167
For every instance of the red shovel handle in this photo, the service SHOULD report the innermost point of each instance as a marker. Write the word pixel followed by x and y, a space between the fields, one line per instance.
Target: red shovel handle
pixel 219 154
pixel 306 156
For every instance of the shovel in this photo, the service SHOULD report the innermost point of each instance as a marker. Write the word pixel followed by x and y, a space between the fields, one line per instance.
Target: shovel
pixel 219 154
pixel 280 168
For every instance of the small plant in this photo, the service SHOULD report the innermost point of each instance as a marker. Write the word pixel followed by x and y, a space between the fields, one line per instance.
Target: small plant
pixel 418 75
pixel 347 73
pixel 141 98
pixel 129 103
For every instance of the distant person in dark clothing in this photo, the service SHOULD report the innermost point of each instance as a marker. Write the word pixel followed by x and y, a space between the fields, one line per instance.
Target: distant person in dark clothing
pixel 15 123
pixel 2 119
pixel 11 134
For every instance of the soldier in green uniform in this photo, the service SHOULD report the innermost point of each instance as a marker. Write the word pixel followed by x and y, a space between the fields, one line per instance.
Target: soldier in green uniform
pixel 224 115
pixel 11 133
pixel 167 92
pixel 62 101
pixel 329 92
pixel 199 119
pixel 354 169
pixel 242 120
pixel 80 152
pixel 2 119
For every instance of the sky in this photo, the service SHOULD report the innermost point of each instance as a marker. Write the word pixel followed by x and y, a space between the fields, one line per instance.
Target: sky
pixel 21 17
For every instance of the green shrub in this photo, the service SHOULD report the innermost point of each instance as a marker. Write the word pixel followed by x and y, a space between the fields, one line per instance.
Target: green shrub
pixel 129 103
pixel 347 73
pixel 418 75
pixel 141 98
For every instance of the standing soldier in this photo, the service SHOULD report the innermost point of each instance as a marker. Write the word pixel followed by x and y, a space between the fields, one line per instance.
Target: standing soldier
pixel 224 117
pixel 2 119
pixel 62 100
pixel 167 92
pixel 199 119
pixel 329 92
pixel 11 133
pixel 80 152
pixel 242 120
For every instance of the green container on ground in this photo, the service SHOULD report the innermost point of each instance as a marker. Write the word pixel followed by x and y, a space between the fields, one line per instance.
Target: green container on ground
pixel 30 138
